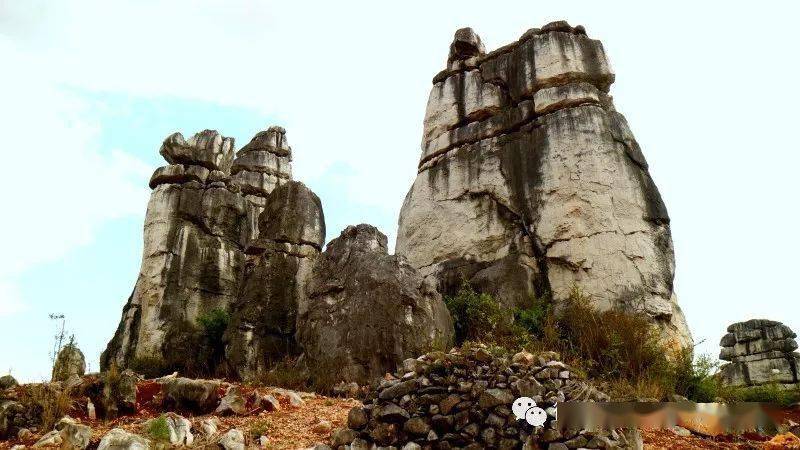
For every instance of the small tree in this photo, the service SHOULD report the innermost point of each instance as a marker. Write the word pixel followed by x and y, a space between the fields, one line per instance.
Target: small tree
pixel 58 339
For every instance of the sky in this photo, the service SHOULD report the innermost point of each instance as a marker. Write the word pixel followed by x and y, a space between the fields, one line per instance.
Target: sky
pixel 89 89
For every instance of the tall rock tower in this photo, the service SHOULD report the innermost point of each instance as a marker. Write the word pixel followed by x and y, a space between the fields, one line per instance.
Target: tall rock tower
pixel 530 182
pixel 203 212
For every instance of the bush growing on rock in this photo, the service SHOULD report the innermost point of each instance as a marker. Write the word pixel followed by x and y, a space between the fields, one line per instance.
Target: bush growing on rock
pixel 158 429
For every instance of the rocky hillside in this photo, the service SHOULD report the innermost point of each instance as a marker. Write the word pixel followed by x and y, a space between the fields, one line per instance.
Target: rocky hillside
pixel 530 182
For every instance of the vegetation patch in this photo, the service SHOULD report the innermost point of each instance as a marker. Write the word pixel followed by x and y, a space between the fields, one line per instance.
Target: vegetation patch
pixel 158 429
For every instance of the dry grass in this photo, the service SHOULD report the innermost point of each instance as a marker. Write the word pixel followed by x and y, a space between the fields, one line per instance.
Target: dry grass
pixel 48 402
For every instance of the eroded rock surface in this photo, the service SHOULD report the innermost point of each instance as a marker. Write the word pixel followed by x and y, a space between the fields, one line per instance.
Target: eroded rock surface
pixel 759 351
pixel 531 183
pixel 272 295
pixel 368 310
pixel 70 361
pixel 200 218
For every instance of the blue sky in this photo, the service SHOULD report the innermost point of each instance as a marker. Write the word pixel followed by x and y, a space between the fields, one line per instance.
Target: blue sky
pixel 90 88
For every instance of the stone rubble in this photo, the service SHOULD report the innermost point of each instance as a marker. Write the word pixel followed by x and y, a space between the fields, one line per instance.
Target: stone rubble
pixel 462 399
pixel 759 351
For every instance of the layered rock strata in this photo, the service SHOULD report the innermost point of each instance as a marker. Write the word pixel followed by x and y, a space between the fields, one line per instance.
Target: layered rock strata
pixel 759 351
pixel 368 310
pixel 258 168
pixel 198 223
pixel 273 292
pixel 530 182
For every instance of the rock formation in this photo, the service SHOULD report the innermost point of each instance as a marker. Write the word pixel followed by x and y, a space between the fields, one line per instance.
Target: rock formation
pixel 760 351
pixel 291 235
pixel 368 310
pixel 70 361
pixel 530 182
pixel 201 216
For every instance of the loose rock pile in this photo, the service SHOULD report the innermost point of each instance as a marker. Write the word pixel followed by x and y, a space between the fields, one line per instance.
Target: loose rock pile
pixel 760 351
pixel 463 399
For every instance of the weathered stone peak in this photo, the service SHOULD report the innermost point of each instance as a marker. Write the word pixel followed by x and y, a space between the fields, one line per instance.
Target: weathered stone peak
pixel 272 140
pixel 264 163
pixel 292 214
pixel 207 148
pixel 358 238
pixel 466 44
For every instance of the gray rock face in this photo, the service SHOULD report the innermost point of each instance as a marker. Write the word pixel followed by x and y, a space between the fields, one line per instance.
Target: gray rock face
pixel 199 221
pixel 367 311
pixel 272 295
pixel 530 182
pixel 760 351
pixel 119 439
pixel 70 361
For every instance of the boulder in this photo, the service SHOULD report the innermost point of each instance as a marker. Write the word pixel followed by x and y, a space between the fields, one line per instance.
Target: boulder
pixel 199 396
pixel 7 382
pixel 367 311
pixel 232 440
pixel 119 439
pixel 179 428
pixel 530 183
pixel 264 318
pixel 232 402
pixel 207 148
pixel 12 418
pixel 759 351
pixel 70 361
pixel 113 393
pixel 74 436
pixel 50 439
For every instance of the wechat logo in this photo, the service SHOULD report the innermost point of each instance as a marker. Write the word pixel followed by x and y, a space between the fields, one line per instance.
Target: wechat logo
pixel 525 408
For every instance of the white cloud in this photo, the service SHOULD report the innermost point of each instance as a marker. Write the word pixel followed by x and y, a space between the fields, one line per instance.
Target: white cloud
pixel 59 185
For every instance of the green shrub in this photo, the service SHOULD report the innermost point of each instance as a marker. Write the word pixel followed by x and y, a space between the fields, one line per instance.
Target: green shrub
pixel 767 393
pixel 479 317
pixel 212 328
pixel 535 319
pixel 611 343
pixel 695 379
pixel 158 429
pixel 475 315
pixel 259 428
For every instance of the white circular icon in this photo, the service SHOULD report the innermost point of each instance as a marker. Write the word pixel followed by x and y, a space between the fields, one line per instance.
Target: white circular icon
pixel 524 408
pixel 536 416
pixel 521 406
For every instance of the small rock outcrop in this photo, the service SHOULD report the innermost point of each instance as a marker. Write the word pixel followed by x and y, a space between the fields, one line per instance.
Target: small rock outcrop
pixel 119 439
pixel 368 310
pixel 202 222
pixel 70 361
pixel 8 381
pixel 759 351
pixel 272 296
pixel 463 399
pixel 530 182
